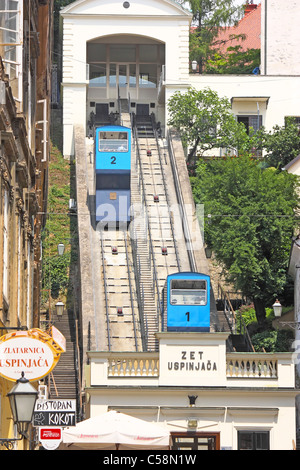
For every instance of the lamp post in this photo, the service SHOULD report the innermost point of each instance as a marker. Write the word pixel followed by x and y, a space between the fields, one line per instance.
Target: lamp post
pixel 22 398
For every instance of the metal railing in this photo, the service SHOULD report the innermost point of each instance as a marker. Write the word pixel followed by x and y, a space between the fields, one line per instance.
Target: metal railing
pixel 147 230
pixel 185 225
pixel 234 319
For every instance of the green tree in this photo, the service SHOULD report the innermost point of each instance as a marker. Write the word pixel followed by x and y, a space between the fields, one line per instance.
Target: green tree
pixel 282 144
pixel 249 222
pixel 208 17
pixel 205 121
pixel 234 61
pixel 58 5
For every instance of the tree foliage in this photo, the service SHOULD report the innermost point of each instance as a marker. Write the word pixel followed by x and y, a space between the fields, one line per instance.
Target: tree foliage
pixel 234 61
pixel 282 144
pixel 249 222
pixel 205 121
pixel 208 17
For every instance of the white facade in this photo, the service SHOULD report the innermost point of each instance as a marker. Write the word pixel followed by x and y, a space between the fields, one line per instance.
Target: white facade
pixel 280 54
pixel 156 22
pixel 269 99
pixel 89 24
pixel 233 393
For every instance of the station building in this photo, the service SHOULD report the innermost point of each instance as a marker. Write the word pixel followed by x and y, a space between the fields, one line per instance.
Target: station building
pixel 134 55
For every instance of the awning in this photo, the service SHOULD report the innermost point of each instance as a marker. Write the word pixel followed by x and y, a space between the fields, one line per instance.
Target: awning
pixel 114 430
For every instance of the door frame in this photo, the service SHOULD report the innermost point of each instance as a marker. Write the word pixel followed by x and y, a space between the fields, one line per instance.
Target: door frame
pixel 196 435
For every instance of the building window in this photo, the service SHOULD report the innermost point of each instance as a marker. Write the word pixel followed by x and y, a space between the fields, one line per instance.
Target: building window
pixel 195 441
pixel 253 121
pixel 253 440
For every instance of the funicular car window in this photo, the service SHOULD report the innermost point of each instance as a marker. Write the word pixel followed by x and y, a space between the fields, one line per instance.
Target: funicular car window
pixel 188 292
pixel 113 142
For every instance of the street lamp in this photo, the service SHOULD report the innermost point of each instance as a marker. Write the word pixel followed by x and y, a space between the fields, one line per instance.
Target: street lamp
pixel 60 249
pixel 22 398
pixel 277 307
pixel 59 306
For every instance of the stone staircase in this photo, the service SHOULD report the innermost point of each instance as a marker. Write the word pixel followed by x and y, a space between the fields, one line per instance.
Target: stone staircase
pixel 145 271
pixel 144 126
pixel 64 377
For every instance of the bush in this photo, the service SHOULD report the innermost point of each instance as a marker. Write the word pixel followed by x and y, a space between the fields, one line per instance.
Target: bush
pixel 273 341
pixel 249 317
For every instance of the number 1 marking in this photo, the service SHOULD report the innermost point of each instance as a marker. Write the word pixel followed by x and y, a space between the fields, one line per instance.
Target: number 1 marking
pixel 188 316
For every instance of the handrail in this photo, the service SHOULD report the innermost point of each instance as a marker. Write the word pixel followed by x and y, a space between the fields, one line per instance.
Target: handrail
pixel 105 292
pixel 146 205
pixel 130 289
pixel 234 315
pixel 78 368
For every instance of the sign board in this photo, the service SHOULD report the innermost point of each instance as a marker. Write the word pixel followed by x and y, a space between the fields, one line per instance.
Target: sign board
pixel 33 352
pixel 60 413
pixel 50 438
pixel 192 359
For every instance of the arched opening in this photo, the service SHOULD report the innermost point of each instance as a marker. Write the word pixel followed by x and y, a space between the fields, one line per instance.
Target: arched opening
pixel 125 68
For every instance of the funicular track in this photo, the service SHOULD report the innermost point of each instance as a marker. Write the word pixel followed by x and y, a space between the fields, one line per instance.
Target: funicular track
pixel 122 316
pixel 137 260
pixel 158 238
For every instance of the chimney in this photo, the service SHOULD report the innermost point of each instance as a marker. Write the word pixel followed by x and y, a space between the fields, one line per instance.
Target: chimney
pixel 249 7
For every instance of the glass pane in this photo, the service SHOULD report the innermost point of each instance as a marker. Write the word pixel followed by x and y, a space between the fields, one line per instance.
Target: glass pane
pixel 97 75
pixel 162 54
pixel 122 53
pixel 112 75
pixel 245 441
pixel 113 141
pixel 185 439
pixel 184 292
pixel 194 443
pixel 262 440
pixel 148 53
pixel 122 75
pixel 96 53
pixel 132 75
pixel 148 78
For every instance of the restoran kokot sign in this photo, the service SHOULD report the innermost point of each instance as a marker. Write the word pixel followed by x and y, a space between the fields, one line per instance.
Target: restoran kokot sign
pixel 33 352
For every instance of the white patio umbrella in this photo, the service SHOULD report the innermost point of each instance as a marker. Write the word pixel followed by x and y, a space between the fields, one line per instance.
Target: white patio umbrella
pixel 114 430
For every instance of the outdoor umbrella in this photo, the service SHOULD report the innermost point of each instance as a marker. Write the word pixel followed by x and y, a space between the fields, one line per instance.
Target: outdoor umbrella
pixel 114 430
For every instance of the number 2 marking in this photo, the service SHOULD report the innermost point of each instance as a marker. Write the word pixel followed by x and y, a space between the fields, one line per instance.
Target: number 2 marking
pixel 113 160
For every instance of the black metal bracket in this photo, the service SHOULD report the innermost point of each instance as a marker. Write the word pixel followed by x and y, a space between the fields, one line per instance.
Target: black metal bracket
pixel 9 443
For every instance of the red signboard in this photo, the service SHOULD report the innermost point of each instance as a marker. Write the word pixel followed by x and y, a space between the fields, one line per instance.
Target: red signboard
pixel 50 433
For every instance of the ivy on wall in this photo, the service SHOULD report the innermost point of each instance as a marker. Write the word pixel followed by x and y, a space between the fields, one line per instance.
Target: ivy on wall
pixel 61 227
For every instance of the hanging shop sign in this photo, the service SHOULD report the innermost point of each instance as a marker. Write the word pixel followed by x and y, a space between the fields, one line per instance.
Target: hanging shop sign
pixel 50 438
pixel 33 352
pixel 55 413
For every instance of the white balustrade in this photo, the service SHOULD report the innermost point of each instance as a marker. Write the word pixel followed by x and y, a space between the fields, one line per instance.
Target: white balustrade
pixel 250 367
pixel 146 365
pixel 133 367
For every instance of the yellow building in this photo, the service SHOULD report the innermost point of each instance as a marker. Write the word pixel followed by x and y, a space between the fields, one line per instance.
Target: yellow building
pixel 25 71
